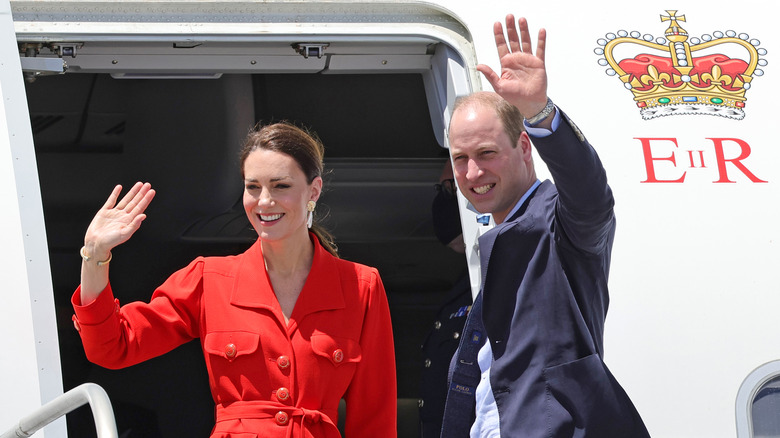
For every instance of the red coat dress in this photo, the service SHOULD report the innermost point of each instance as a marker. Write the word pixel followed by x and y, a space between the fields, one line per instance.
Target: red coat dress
pixel 268 378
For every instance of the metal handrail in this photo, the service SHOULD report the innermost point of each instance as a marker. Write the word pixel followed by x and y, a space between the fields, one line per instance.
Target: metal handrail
pixel 90 393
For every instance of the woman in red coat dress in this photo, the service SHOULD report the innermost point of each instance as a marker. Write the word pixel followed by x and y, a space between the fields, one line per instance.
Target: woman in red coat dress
pixel 287 328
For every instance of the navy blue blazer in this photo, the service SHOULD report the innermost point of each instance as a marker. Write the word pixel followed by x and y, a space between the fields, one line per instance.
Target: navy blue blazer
pixel 543 303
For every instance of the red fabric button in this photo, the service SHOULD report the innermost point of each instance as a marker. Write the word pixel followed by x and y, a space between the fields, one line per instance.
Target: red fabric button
pixel 338 355
pixel 76 324
pixel 230 350
pixel 283 362
pixel 282 394
pixel 282 418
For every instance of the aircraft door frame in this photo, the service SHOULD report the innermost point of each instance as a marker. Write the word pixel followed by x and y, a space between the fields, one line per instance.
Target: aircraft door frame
pixel 31 374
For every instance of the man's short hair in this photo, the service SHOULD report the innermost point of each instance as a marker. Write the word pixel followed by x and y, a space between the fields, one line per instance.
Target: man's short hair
pixel 510 116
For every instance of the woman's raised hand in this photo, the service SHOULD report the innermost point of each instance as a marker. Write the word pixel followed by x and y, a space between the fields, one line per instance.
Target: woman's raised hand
pixel 116 222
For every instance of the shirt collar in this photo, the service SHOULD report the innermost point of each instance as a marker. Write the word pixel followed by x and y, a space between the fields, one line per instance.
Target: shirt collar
pixel 481 217
pixel 522 200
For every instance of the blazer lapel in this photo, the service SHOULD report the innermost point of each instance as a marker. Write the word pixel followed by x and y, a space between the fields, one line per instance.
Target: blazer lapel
pixel 487 240
pixel 251 285
pixel 322 291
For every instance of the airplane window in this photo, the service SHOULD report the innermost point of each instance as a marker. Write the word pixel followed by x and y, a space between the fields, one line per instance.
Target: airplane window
pixel 766 410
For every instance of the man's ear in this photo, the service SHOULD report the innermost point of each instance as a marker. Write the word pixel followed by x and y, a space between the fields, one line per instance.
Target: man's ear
pixel 524 143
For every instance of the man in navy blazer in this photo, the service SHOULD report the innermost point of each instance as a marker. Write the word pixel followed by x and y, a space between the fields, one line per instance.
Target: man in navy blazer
pixel 530 359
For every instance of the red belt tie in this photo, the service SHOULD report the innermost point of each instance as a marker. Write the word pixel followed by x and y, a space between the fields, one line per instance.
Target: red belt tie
pixel 284 415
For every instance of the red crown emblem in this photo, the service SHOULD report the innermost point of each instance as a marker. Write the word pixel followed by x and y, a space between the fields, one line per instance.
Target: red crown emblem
pixel 674 75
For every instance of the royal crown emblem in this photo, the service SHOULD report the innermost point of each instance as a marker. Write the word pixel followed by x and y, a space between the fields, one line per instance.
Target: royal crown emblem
pixel 673 74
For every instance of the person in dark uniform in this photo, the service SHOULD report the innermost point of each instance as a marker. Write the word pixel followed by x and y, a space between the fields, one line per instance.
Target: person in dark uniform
pixel 443 338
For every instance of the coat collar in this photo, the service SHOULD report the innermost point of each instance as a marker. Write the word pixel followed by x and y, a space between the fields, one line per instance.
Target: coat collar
pixel 322 290
pixel 487 240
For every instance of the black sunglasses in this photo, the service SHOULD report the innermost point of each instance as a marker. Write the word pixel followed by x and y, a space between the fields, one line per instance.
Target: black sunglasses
pixel 446 186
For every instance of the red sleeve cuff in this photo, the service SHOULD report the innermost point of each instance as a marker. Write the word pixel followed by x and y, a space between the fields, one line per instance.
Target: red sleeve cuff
pixel 97 311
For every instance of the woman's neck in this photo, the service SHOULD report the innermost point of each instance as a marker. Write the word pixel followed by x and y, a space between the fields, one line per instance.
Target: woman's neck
pixel 288 264
pixel 288 256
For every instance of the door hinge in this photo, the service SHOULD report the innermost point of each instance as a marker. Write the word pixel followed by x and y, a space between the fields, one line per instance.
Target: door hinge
pixel 310 49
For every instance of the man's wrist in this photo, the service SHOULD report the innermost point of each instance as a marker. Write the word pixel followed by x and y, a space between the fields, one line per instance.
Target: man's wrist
pixel 543 114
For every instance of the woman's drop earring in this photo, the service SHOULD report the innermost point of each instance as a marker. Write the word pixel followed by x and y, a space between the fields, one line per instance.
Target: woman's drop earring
pixel 310 208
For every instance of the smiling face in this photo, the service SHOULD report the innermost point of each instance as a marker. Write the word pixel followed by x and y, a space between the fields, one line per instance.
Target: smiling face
pixel 276 192
pixel 492 172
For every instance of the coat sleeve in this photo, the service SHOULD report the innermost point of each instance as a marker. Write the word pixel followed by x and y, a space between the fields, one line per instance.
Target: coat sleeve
pixel 371 397
pixel 585 202
pixel 117 336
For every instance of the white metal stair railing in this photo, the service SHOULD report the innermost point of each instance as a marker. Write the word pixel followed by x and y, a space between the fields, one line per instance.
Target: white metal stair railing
pixel 90 393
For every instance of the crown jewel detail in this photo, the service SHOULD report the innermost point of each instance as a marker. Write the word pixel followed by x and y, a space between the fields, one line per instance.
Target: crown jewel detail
pixel 675 74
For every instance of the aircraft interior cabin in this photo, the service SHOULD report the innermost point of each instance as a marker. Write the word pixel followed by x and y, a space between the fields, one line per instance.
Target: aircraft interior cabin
pixel 94 130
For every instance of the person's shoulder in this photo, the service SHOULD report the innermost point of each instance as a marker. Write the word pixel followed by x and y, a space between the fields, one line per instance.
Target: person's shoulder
pixel 217 264
pixel 546 189
pixel 540 201
pixel 360 271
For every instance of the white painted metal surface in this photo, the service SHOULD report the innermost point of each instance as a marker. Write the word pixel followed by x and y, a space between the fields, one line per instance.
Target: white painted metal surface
pixel 30 360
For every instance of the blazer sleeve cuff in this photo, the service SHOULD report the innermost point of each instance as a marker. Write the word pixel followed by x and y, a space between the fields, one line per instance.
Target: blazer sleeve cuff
pixel 96 312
